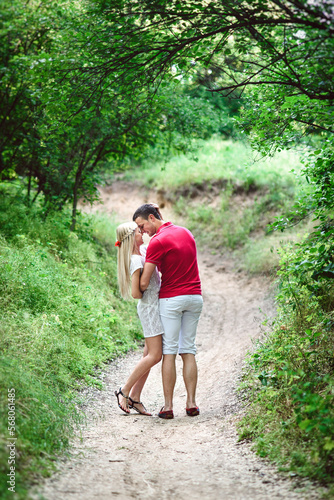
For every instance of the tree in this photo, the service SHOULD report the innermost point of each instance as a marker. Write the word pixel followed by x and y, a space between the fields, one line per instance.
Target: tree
pixel 277 55
pixel 286 45
pixel 280 53
pixel 58 132
pixel 24 34
pixel 146 38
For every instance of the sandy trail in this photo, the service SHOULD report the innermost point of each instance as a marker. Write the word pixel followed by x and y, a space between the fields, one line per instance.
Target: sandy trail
pixel 123 456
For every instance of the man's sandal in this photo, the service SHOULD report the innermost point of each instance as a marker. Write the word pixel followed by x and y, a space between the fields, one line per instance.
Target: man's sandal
pixel 192 412
pixel 166 414
pixel 118 394
pixel 132 404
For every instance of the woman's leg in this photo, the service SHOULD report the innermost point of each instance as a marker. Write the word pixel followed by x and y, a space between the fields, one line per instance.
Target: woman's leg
pixel 138 386
pixel 141 370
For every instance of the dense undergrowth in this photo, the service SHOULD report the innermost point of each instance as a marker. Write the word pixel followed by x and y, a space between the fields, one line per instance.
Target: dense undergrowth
pixel 289 377
pixel 61 318
pixel 288 384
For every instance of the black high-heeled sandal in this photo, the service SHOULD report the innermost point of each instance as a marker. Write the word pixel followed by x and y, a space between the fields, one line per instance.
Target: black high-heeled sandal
pixel 118 394
pixel 133 402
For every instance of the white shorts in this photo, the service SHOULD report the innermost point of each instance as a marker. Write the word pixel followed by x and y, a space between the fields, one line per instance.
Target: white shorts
pixel 179 316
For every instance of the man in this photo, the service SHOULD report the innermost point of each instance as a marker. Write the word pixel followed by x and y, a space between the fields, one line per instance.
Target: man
pixel 173 250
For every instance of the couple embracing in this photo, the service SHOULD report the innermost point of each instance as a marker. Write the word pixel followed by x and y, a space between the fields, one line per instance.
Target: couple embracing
pixel 169 309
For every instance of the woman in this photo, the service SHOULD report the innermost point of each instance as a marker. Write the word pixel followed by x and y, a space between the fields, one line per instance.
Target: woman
pixel 131 259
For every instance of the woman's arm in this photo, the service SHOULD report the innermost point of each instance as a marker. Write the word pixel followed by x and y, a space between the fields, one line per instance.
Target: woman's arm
pixel 135 280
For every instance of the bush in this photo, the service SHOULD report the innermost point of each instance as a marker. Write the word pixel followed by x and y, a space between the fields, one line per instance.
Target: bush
pixel 289 378
pixel 61 319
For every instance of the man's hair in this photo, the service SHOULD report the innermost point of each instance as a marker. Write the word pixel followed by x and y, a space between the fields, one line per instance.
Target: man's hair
pixel 144 211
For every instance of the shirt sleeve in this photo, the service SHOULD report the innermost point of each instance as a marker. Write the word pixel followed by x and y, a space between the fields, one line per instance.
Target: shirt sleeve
pixel 136 263
pixel 155 252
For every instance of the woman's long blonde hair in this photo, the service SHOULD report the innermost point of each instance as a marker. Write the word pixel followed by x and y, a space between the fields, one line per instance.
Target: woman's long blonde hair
pixel 126 238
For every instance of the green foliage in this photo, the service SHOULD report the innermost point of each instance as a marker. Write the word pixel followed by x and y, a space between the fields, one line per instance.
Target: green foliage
pixel 260 253
pixel 276 117
pixel 227 108
pixel 61 132
pixel 44 422
pixel 177 122
pixel 227 47
pixel 289 378
pixel 234 221
pixel 221 226
pixel 61 320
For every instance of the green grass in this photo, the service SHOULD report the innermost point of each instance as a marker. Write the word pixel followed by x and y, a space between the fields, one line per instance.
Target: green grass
pixel 289 382
pixel 261 253
pixel 227 197
pixel 216 160
pixel 61 320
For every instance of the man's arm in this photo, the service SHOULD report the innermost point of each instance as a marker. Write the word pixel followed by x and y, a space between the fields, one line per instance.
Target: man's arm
pixel 146 275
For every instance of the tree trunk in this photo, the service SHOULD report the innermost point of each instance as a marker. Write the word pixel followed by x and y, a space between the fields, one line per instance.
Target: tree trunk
pixel 29 189
pixel 35 197
pixel 75 195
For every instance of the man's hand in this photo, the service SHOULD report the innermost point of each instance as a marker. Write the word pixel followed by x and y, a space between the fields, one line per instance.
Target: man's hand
pixel 146 275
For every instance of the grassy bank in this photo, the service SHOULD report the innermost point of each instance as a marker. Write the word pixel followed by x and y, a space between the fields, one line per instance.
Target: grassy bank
pixel 61 320
pixel 216 160
pixel 228 196
pixel 288 379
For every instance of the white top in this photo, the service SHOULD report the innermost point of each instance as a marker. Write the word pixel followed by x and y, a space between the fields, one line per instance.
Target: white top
pixel 152 291
pixel 148 305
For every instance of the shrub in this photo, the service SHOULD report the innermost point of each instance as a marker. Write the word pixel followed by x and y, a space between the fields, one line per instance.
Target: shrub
pixel 289 377
pixel 61 319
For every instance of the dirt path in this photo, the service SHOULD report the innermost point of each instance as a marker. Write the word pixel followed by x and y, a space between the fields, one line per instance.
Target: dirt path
pixel 124 456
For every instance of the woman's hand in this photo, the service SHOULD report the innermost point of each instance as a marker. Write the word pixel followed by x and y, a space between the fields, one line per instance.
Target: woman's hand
pixel 154 205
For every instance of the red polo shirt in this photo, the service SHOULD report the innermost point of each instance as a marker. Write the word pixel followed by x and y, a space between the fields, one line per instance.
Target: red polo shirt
pixel 173 250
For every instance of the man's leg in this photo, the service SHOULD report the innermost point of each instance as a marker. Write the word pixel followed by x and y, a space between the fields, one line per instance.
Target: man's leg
pixel 168 379
pixel 187 347
pixel 171 315
pixel 190 378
